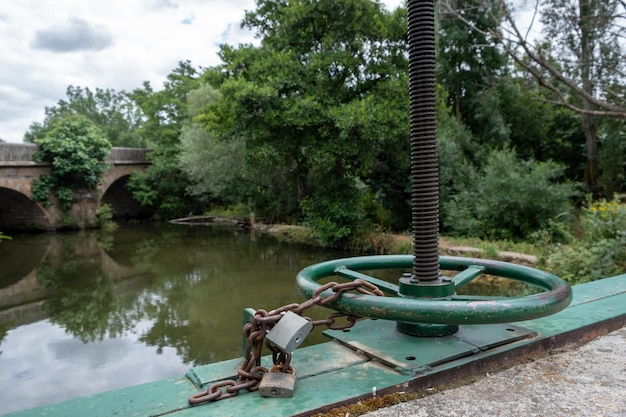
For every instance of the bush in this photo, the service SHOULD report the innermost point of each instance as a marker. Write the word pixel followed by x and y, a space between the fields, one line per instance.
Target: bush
pixel 509 199
pixel 600 250
pixel 76 149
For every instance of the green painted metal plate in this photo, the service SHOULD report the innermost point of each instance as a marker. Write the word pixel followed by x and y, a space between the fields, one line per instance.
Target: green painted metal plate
pixel 412 355
pixel 314 363
pixel 489 336
pixel 310 393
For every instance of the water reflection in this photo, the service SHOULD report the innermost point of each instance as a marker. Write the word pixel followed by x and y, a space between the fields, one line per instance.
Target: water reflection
pixel 163 299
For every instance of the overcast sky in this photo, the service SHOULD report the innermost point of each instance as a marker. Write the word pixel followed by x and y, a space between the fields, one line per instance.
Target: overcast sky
pixel 110 44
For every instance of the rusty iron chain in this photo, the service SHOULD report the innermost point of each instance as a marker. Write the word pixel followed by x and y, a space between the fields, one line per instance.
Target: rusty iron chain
pixel 251 372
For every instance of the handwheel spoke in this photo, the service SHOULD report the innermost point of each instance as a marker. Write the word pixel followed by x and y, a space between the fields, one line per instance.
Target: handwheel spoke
pixel 350 274
pixel 468 275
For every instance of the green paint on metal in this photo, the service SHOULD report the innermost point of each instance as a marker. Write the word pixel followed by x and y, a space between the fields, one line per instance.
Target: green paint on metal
pixel 310 393
pixel 384 286
pixel 411 355
pixel 201 376
pixel 489 336
pixel 465 277
pixel 457 309
pixel 441 288
pixel 315 362
pixel 151 399
pixel 595 290
pixel 380 340
pixel 427 329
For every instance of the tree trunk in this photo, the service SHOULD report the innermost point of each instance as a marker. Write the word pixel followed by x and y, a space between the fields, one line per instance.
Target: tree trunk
pixel 585 9
pixel 591 167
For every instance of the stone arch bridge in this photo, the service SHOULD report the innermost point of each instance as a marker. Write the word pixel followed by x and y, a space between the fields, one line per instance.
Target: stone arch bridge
pixel 18 170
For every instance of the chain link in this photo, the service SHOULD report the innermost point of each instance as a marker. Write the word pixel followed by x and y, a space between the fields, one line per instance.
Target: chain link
pixel 251 372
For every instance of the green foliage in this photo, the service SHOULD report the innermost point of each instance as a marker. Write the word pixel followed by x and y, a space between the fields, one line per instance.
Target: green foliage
pixel 77 150
pixel 324 92
pixel 454 150
pixel 162 187
pixel 600 250
pixel 117 116
pixel 238 211
pixel 65 195
pixel 214 167
pixel 41 188
pixel 469 66
pixel 335 213
pixel 509 198
pixel 612 156
pixel 604 219
pixel 4 237
pixel 105 218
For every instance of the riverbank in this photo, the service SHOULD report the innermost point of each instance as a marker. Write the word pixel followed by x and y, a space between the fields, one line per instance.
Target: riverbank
pixel 386 243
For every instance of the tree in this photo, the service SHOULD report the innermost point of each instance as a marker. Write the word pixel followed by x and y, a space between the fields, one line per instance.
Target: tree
pixel 580 62
pixel 470 67
pixel 586 37
pixel 217 179
pixel 162 187
pixel 117 116
pixel 77 149
pixel 319 105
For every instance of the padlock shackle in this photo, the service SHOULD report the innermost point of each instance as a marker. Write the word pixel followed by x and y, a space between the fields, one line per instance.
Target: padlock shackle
pixel 455 309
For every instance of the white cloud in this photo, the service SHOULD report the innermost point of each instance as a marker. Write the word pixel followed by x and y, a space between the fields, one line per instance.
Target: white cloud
pixel 71 36
pixel 117 44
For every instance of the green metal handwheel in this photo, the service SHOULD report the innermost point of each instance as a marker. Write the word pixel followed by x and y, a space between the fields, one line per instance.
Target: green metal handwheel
pixel 437 309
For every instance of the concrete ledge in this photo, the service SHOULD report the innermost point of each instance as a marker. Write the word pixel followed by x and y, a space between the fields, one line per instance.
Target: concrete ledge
pixel 21 154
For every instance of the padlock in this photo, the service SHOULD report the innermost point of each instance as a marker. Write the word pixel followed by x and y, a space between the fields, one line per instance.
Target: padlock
pixel 278 384
pixel 289 332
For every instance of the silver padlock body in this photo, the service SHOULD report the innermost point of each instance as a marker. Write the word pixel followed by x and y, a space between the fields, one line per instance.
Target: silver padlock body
pixel 277 385
pixel 289 332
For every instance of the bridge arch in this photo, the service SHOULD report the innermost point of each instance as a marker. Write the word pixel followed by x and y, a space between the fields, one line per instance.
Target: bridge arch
pixel 115 194
pixel 19 212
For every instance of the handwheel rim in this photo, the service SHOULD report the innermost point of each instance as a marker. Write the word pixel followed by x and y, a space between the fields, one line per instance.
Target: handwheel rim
pixel 452 310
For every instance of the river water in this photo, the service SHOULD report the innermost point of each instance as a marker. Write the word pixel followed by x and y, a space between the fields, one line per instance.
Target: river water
pixel 86 312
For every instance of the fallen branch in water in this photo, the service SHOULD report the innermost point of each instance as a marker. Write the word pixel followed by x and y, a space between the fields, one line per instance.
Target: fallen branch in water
pixel 204 220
